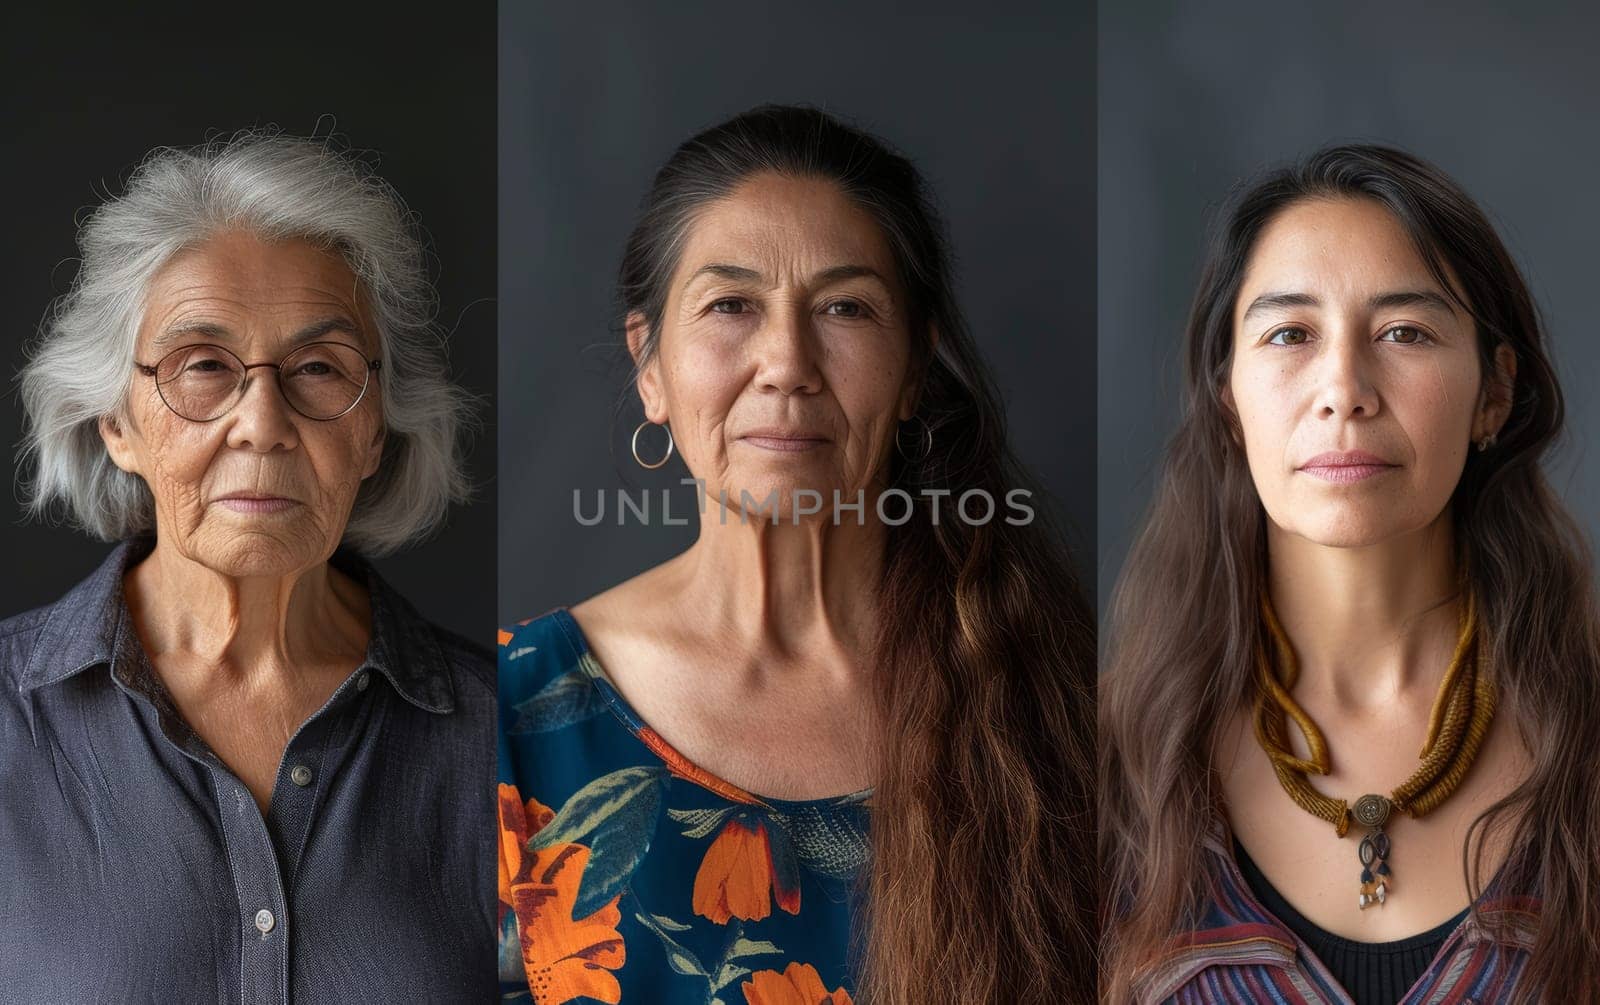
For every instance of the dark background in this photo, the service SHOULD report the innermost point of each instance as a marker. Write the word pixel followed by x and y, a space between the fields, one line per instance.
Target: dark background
pixel 87 96
pixel 1195 97
pixel 995 107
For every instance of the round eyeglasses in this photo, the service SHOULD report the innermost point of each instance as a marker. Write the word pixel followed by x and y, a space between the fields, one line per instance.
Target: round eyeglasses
pixel 320 380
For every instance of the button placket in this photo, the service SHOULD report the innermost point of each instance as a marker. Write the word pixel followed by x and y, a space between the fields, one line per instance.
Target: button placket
pixel 264 942
pixel 298 791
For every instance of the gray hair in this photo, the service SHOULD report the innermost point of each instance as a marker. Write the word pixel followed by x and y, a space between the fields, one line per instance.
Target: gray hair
pixel 278 187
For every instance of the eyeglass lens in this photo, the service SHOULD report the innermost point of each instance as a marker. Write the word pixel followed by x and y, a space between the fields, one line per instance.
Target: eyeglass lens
pixel 322 380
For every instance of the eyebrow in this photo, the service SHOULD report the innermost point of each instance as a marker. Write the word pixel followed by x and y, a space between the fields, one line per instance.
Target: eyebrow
pixel 832 274
pixel 318 329
pixel 1397 298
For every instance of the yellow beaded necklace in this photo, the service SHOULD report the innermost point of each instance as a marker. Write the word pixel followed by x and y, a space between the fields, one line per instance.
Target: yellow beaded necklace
pixel 1457 724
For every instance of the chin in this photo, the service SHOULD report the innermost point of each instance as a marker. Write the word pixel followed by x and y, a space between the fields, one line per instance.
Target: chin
pixel 257 555
pixel 1345 538
pixel 784 492
pixel 1350 529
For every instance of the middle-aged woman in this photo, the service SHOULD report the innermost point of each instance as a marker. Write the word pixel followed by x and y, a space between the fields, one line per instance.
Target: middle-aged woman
pixel 235 766
pixel 690 760
pixel 1351 714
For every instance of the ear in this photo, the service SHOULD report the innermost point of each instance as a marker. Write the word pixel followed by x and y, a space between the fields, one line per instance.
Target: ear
pixel 1230 413
pixel 374 454
pixel 649 379
pixel 114 433
pixel 1494 400
pixel 912 392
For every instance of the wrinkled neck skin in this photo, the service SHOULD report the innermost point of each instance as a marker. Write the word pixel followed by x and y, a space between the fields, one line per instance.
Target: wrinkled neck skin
pixel 787 593
pixel 1371 626
pixel 252 631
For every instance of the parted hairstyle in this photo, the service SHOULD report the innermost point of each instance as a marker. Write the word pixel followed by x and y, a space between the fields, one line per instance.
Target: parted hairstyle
pixel 80 366
pixel 979 886
pixel 1185 620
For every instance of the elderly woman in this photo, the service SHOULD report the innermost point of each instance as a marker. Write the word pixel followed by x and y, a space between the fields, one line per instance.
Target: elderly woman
pixel 235 766
pixel 1350 713
pixel 840 746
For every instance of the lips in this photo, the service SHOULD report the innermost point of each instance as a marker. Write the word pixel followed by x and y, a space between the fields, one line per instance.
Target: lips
pixel 784 439
pixel 1345 466
pixel 255 502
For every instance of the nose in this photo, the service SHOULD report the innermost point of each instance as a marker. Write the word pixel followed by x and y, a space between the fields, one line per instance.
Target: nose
pixel 261 420
pixel 1344 383
pixel 786 353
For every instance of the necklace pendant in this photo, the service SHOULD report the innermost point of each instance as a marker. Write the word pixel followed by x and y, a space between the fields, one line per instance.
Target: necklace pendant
pixel 1373 812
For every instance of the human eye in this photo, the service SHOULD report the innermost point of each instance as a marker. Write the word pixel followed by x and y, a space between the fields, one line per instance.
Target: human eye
pixel 730 305
pixel 846 308
pixel 317 361
pixel 1289 335
pixel 1405 335
pixel 199 362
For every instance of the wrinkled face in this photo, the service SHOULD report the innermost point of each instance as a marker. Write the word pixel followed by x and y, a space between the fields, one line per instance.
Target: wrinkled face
pixel 1355 376
pixel 262 490
pixel 784 356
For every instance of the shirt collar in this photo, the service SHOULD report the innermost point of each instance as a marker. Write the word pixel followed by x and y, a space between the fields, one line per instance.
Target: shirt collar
pixel 90 626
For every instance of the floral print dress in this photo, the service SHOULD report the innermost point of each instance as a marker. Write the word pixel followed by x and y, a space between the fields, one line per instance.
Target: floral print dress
pixel 630 875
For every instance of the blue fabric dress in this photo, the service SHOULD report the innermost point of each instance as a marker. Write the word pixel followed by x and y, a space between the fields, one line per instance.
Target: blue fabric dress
pixel 629 874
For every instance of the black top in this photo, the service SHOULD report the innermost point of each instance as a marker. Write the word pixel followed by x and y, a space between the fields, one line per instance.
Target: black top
pixel 134 866
pixel 1373 973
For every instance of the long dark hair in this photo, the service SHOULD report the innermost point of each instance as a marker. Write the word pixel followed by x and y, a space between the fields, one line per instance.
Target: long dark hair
pixel 979 887
pixel 1185 619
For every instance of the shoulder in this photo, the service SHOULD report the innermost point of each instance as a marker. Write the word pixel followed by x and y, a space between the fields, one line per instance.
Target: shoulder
pixel 22 627
pixel 19 635
pixel 415 641
pixel 472 661
pixel 535 648
pixel 78 626
pixel 641 600
pixel 547 679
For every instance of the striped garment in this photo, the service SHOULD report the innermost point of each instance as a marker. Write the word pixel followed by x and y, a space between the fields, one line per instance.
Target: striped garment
pixel 1241 953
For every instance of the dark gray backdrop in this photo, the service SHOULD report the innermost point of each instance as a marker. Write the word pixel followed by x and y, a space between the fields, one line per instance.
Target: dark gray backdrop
pixel 997 109
pixel 85 97
pixel 1194 97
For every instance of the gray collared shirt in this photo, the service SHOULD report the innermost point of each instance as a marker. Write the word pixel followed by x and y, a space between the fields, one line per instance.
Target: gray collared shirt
pixel 134 866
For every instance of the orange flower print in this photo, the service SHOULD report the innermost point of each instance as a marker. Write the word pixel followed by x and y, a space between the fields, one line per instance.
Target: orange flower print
pixel 799 984
pixel 565 957
pixel 517 824
pixel 737 874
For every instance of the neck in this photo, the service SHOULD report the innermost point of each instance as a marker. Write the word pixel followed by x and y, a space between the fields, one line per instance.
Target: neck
pixel 786 591
pixel 1373 625
pixel 248 627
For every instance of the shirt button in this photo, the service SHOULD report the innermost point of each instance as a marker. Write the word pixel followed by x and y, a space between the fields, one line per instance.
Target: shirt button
pixel 265 921
pixel 363 681
pixel 300 775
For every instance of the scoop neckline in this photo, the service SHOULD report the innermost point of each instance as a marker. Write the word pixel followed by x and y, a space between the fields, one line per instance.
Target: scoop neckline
pixel 633 722
pixel 1435 936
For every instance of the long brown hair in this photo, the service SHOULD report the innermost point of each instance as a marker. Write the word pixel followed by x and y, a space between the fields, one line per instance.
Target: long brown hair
pixel 980 882
pixel 1185 620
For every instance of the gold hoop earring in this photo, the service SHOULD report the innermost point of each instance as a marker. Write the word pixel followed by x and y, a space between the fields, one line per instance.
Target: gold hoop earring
pixel 664 457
